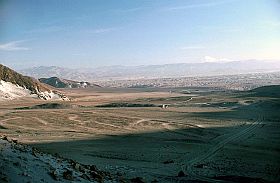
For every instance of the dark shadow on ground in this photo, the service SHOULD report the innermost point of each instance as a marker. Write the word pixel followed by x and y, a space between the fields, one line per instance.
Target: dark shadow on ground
pixel 272 91
pixel 160 154
pixel 267 109
pixel 2 127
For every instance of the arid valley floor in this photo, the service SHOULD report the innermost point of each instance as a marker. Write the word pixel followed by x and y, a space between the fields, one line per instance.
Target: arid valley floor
pixel 205 135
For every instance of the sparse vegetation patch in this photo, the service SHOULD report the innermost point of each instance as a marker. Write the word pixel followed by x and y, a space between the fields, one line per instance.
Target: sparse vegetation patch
pixel 126 105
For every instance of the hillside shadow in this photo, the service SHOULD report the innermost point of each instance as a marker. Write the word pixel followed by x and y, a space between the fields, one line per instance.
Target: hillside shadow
pixel 158 154
pixel 264 109
pixel 161 154
pixel 272 91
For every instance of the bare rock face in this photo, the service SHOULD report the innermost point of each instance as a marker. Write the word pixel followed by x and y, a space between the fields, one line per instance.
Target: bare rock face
pixel 14 85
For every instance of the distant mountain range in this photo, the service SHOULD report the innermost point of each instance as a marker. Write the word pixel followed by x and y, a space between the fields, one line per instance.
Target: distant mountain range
pixel 64 83
pixel 53 71
pixel 155 71
pixel 14 85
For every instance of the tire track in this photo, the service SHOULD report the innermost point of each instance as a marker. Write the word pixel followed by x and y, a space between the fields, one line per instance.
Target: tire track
pixel 139 121
pixel 5 120
pixel 213 150
pixel 81 123
pixel 41 121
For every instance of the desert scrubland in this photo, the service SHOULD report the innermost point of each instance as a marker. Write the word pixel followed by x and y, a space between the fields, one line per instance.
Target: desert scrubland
pixel 204 134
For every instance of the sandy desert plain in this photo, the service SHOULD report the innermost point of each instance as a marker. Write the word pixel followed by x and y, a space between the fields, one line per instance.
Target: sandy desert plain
pixel 205 134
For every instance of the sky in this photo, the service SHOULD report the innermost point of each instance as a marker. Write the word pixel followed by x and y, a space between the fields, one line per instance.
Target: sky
pixel 94 33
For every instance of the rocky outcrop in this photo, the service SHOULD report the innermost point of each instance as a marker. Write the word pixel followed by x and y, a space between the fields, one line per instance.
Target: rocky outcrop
pixel 14 85
pixel 22 163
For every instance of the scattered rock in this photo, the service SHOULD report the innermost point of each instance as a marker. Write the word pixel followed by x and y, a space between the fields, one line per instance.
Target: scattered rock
pixel 4 179
pixel 20 148
pixel 33 153
pixel 78 167
pixel 56 169
pixel 84 176
pixel 22 158
pixel 93 168
pixel 15 141
pixel 25 174
pixel 137 180
pixel 200 166
pixel 233 178
pixel 118 174
pixel 96 176
pixel 168 162
pixel 72 162
pixel 17 164
pixel 53 175
pixel 68 175
pixel 181 174
pixel 5 138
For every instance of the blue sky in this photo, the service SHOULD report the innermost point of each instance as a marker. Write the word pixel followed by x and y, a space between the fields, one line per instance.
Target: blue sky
pixel 96 33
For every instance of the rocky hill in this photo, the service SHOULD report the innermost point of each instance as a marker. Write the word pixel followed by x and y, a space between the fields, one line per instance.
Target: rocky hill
pixel 22 163
pixel 266 91
pixel 14 85
pixel 64 83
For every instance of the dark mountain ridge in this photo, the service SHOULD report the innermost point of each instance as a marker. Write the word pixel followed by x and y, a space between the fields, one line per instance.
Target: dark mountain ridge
pixel 64 83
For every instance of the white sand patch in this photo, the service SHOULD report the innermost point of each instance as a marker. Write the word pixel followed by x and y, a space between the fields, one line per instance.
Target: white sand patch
pixel 11 91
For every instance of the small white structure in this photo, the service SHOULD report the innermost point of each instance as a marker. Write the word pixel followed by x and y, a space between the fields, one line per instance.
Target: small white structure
pixel 164 106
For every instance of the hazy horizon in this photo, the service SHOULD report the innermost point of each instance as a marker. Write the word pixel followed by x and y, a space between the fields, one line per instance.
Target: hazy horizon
pixel 23 67
pixel 97 33
pixel 81 67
